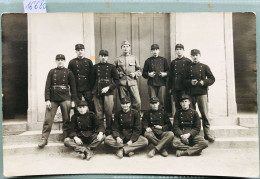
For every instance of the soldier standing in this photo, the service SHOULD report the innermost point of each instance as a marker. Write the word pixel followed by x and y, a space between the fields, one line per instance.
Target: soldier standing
pixel 129 70
pixel 60 89
pixel 186 128
pixel 157 127
pixel 178 69
pixel 85 128
pixel 156 70
pixel 199 77
pixel 104 79
pixel 126 131
pixel 81 68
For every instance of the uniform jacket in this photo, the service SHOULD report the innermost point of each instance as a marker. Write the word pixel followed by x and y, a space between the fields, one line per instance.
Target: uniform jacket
pixel 81 69
pixel 103 75
pixel 159 117
pixel 126 64
pixel 60 85
pixel 186 122
pixel 178 69
pixel 156 64
pixel 198 71
pixel 127 126
pixel 85 125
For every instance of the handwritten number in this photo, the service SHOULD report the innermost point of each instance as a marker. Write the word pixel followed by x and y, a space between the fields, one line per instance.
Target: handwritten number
pixel 36 4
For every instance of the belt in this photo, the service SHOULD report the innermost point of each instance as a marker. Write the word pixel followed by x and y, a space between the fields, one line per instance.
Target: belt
pixel 82 76
pixel 60 86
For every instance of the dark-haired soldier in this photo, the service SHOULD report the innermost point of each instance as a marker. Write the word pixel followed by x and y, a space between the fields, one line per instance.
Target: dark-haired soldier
pixel 104 79
pixel 60 90
pixel 81 68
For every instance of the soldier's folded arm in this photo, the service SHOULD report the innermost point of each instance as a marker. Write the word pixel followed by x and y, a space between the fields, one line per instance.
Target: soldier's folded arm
pixel 136 128
pixel 145 70
pixel 115 79
pixel 145 120
pixel 73 128
pixel 72 84
pixel 196 125
pixel 92 77
pixel 210 77
pixel 99 124
pixel 176 126
pixel 167 123
pixel 115 126
pixel 166 68
pixel 48 86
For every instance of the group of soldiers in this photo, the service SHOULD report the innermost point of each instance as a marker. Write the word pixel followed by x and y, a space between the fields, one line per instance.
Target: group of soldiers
pixel 89 89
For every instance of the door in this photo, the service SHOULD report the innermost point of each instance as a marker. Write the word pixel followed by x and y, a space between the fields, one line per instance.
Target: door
pixel 141 30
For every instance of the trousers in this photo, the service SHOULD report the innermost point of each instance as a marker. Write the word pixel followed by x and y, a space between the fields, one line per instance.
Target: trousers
pixel 141 142
pixel 158 91
pixel 104 105
pixel 196 144
pixel 133 93
pixel 159 141
pixel 49 117
pixel 90 142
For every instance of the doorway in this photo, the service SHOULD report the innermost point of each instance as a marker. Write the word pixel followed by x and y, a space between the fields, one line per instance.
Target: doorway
pixel 14 66
pixel 141 30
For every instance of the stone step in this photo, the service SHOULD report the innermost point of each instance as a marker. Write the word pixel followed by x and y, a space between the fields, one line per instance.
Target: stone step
pixel 56 135
pixel 14 127
pixel 58 147
pixel 248 120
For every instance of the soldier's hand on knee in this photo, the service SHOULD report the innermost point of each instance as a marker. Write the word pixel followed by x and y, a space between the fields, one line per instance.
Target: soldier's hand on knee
pixel 78 140
pixel 48 104
pixel 130 142
pixel 132 75
pixel 194 81
pixel 119 140
pixel 148 129
pixel 158 126
pixel 100 136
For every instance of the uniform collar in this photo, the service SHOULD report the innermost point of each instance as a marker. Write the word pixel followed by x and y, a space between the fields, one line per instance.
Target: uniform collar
pixel 180 58
pixel 60 68
pixel 126 112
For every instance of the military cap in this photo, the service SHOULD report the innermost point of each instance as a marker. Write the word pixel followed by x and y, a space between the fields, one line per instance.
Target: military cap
pixel 60 56
pixel 125 100
pixel 125 42
pixel 154 46
pixel 179 46
pixel 154 99
pixel 79 46
pixel 185 96
pixel 194 52
pixel 82 103
pixel 103 52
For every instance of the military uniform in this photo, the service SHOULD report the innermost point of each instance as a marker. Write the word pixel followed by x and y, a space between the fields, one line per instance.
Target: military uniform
pixel 157 84
pixel 60 89
pixel 86 127
pixel 198 93
pixel 81 69
pixel 127 126
pixel 188 121
pixel 158 137
pixel 104 75
pixel 177 75
pixel 126 64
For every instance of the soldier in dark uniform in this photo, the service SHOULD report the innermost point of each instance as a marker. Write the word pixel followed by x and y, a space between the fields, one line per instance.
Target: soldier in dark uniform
pixel 156 70
pixel 81 68
pixel 199 77
pixel 60 89
pixel 85 128
pixel 178 69
pixel 126 131
pixel 157 127
pixel 186 128
pixel 104 79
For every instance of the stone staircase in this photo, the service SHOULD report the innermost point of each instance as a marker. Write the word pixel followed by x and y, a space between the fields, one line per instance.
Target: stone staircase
pixel 232 136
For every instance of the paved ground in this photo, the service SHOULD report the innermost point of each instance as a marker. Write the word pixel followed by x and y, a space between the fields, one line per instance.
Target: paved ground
pixel 212 162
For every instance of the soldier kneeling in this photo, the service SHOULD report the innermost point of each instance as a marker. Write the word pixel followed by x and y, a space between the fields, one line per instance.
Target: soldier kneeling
pixel 126 130
pixel 85 128
pixel 186 128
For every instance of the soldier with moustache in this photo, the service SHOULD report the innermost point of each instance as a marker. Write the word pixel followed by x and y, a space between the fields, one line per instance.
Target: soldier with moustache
pixel 126 135
pixel 156 70
pixel 157 128
pixel 178 69
pixel 129 70
pixel 186 128
pixel 60 91
pixel 81 68
pixel 199 78
pixel 104 79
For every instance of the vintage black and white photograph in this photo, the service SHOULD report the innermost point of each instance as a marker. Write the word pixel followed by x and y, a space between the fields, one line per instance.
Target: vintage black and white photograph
pixel 130 93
